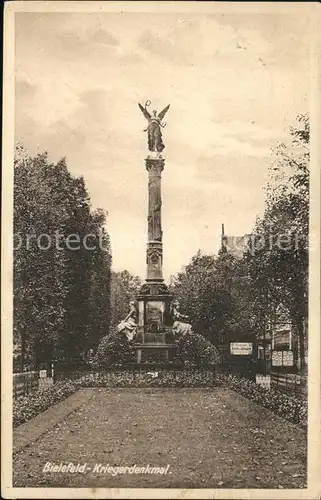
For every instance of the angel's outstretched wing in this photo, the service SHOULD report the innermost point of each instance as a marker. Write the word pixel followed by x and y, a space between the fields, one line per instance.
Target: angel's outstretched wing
pixel 163 113
pixel 144 111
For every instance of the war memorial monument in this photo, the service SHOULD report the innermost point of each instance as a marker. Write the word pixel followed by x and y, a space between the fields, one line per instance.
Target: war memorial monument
pixel 152 325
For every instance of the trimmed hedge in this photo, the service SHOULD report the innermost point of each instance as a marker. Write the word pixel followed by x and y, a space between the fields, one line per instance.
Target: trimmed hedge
pixel 292 408
pixel 194 349
pixel 114 348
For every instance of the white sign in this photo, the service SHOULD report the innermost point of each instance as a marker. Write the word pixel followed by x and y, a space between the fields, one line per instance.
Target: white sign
pixel 287 358
pixel 277 358
pixel 264 380
pixel 43 373
pixel 241 348
pixel 282 358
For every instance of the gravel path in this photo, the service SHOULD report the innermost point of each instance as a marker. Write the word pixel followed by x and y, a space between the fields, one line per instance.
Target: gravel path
pixel 27 433
pixel 208 438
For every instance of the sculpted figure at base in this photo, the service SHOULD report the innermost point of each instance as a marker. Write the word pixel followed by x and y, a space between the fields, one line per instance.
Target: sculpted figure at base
pixel 129 325
pixel 180 325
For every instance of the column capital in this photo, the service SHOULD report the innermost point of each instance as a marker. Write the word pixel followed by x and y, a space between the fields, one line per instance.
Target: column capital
pixel 155 164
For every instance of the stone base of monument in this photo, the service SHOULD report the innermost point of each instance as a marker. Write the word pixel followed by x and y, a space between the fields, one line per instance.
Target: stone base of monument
pixel 154 353
pixel 154 338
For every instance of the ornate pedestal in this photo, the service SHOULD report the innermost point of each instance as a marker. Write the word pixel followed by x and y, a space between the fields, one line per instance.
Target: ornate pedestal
pixel 154 330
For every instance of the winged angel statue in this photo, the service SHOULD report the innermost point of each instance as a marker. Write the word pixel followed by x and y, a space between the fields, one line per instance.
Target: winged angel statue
pixel 155 141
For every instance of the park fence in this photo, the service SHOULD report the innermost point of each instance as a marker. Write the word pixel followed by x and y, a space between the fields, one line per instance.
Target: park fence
pixel 141 375
pixel 290 383
pixel 25 382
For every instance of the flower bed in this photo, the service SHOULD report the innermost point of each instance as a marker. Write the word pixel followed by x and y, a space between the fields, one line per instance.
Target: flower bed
pixel 30 405
pixel 156 378
pixel 292 408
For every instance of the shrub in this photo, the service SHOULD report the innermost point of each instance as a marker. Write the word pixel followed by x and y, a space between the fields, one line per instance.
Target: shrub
pixel 290 407
pixel 194 349
pixel 114 349
pixel 30 405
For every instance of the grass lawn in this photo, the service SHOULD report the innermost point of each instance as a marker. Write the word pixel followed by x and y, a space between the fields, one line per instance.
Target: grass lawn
pixel 210 438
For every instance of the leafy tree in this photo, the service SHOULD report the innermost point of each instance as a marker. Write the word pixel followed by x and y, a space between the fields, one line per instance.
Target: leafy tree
pixel 211 291
pixel 228 298
pixel 39 290
pixel 57 293
pixel 100 289
pixel 278 264
pixel 124 288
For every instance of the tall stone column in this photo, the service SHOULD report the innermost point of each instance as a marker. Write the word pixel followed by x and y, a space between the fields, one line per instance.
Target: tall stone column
pixel 154 254
pixel 154 328
pixel 154 298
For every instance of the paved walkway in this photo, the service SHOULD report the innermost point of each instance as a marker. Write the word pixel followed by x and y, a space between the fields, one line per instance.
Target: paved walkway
pixel 208 438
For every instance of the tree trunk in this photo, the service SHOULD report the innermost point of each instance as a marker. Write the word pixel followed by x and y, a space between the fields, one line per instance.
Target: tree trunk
pixel 300 329
pixel 23 352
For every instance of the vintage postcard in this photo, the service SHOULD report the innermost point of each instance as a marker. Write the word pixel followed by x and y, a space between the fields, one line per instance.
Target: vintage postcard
pixel 161 250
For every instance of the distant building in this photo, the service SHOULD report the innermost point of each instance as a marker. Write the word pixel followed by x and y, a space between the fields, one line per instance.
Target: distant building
pixel 235 245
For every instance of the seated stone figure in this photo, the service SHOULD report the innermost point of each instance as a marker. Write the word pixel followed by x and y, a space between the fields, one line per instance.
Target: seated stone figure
pixel 180 329
pixel 128 325
pixel 180 326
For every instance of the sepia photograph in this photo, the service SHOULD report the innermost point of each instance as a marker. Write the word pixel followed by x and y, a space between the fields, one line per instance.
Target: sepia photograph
pixel 161 250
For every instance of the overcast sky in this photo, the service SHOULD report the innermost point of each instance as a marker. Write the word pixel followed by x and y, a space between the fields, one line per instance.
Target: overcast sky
pixel 234 82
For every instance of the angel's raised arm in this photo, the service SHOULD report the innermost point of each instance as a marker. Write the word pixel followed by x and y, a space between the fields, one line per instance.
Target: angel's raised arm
pixel 144 111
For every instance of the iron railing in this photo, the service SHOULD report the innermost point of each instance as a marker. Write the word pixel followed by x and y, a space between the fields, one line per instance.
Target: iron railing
pixel 25 382
pixel 289 382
